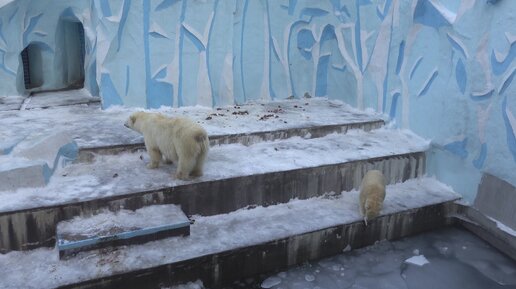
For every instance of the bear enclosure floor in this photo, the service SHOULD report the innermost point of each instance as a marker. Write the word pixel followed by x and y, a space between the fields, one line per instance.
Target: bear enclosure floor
pixel 451 258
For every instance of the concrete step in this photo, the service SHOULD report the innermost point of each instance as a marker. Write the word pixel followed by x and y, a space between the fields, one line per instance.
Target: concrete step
pixel 236 176
pixel 89 153
pixel 125 227
pixel 227 247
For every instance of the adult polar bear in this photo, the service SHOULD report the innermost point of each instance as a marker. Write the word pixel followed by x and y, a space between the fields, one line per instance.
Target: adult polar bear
pixel 175 139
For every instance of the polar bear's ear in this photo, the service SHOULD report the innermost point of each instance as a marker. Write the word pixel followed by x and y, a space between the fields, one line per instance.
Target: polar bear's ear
pixel 133 118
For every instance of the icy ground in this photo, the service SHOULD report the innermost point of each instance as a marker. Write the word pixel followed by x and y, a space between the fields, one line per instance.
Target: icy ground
pixel 93 127
pixel 213 234
pixel 456 260
pixel 127 173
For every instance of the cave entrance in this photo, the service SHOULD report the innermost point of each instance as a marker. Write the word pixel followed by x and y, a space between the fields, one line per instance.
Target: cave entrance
pixel 67 70
pixel 70 53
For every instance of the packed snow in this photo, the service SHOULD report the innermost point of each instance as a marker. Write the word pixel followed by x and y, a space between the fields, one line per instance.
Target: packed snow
pixel 504 227
pixel 41 268
pixel 93 127
pixel 125 173
pixel 146 217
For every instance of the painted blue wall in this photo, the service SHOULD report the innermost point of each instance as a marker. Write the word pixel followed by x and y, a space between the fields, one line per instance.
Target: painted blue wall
pixel 443 68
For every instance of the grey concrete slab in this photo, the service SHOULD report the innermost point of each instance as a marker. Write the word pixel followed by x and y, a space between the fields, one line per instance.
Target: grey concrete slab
pixel 496 198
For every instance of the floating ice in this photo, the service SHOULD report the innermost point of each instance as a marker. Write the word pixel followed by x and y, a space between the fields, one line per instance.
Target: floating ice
pixel 309 277
pixel 418 260
pixel 271 282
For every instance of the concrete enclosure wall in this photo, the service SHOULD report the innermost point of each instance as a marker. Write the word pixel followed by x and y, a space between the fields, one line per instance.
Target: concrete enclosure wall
pixel 443 68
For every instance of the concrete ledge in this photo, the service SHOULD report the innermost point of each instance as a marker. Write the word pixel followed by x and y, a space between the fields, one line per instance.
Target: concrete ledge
pixel 32 228
pixel 87 154
pixel 485 228
pixel 217 270
pixel 112 229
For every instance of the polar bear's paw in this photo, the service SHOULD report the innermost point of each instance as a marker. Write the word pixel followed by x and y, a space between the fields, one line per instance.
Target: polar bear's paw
pixel 152 166
pixel 182 176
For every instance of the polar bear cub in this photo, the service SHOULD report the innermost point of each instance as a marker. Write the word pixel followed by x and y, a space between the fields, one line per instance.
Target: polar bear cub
pixel 175 139
pixel 372 194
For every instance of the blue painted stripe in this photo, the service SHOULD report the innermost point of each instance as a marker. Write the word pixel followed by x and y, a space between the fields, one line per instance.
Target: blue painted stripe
pixel 358 42
pixel 1 33
pixel 110 95
pixel 165 4
pixel 507 82
pixel 456 45
pixel 458 148
pixel 181 46
pixel 511 138
pixel 61 245
pixel 501 67
pixel 291 6
pixel 418 62
pixel 394 105
pixel 127 79
pixel 146 25
pixel 479 162
pixel 401 56
pixel 208 51
pixel 123 20
pixel 461 76
pixel 483 96
pixel 242 75
pixel 292 28
pixel 386 77
pixel 322 76
pixel 429 83
pixel 271 48
pixel 105 8
pixel 195 41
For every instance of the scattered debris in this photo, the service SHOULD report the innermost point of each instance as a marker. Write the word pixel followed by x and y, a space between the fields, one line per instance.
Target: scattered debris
pixel 276 110
pixel 241 112
pixel 266 116
pixel 209 118
pixel 115 175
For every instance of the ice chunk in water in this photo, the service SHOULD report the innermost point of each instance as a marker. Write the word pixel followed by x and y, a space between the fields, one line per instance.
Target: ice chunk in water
pixel 271 282
pixel 309 277
pixel 418 260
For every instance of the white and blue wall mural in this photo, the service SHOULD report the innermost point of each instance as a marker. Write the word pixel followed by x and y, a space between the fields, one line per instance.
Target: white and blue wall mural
pixel 443 68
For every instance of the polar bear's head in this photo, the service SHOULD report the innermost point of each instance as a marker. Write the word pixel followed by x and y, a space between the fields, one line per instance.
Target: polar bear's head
pixel 134 121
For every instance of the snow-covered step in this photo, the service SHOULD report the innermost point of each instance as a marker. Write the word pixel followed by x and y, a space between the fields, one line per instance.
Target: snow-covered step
pixel 124 227
pixel 227 247
pixel 96 130
pixel 61 98
pixel 235 176
pixel 88 154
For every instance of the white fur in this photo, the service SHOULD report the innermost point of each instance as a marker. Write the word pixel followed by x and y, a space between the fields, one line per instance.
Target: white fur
pixel 372 194
pixel 176 139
